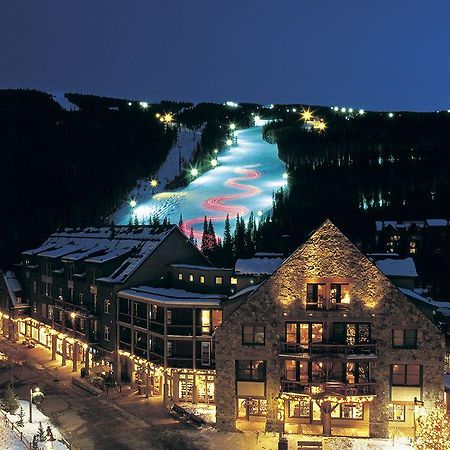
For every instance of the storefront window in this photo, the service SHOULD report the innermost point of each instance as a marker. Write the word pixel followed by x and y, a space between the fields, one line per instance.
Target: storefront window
pixel 299 408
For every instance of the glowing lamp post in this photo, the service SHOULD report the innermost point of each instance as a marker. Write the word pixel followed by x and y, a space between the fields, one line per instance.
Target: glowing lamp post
pixel 133 203
pixel 144 105
pixel 153 184
pixel 285 176
pixel 214 162
pixel 36 397
pixel 229 142
pixel 194 172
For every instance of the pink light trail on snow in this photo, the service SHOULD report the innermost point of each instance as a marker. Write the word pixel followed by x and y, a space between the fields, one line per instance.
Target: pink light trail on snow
pixel 217 203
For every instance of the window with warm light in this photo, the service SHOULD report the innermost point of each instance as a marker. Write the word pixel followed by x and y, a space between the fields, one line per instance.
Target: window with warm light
pixel 180 277
pixel 206 321
pixel 299 408
pixel 406 375
pixel 250 370
pixel 233 280
pixel 191 278
pixel 396 412
pixel 340 293
pixel 216 317
pixel 219 280
pixel 202 279
pixel 315 295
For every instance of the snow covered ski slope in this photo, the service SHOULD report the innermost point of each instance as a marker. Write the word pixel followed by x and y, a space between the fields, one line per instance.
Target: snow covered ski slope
pixel 244 181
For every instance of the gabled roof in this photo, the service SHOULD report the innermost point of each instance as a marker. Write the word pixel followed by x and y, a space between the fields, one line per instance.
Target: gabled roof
pixel 322 253
pixel 99 245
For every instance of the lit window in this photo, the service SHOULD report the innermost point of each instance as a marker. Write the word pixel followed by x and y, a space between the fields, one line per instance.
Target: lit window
pixel 234 280
pixel 206 320
pixel 396 412
pixel 169 316
pixel 191 278
pixel 107 306
pixel 202 279
pixel 219 280
pixel 216 318
pixel 299 408
pixel 180 276
pixel 406 375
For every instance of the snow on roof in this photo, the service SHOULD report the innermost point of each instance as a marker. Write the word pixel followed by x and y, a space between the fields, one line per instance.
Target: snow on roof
pixel 381 224
pixel 397 267
pixel 268 255
pixel 441 307
pixel 172 296
pixel 13 286
pixel 437 222
pixel 257 266
pixel 380 255
pixel 101 244
pixel 194 267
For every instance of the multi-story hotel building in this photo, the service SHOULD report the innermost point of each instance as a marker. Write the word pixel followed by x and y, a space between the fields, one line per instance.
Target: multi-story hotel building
pixel 325 344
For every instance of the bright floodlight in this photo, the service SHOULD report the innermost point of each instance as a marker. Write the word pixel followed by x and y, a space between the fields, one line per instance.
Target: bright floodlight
pixel 260 213
pixel 214 162
pixel 229 142
pixel 216 151
pixel 350 110
pixel 168 118
pixel 144 105
pixel 361 112
pixel 336 108
pixel 285 175
pixel 157 115
pixel 306 114
pixel 129 103
pixel 322 126
pixel 343 109
pixel 153 183
pixel 294 109
pixel 194 172
pixel 133 203
pixel 73 315
pixel 391 115
pixel 232 126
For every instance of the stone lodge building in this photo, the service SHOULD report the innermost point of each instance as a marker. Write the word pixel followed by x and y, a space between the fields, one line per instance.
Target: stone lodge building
pixel 327 344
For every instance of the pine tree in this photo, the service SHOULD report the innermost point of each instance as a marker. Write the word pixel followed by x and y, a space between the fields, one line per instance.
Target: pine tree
pixel 20 423
pixel 212 242
pixel 130 221
pixel 35 443
pixel 227 243
pixel 10 403
pixel 192 237
pixel 180 222
pixel 239 238
pixel 165 222
pixel 204 244
pixel 41 433
pixel 249 236
pixel 136 221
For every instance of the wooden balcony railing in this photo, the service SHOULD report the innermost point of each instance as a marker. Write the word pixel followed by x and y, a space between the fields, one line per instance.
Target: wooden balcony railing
pixel 329 348
pixel 330 387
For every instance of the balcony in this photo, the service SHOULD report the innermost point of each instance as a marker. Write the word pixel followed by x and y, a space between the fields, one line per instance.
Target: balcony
pixel 330 388
pixel 367 349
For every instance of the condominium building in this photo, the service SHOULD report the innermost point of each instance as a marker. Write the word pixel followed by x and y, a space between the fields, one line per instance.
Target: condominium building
pixel 327 344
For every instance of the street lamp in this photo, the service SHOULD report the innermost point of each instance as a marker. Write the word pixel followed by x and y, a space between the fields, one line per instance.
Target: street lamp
pixel 73 317
pixel 229 142
pixel 38 396
pixel 214 162
pixel 232 126
pixel 194 172
pixel 133 203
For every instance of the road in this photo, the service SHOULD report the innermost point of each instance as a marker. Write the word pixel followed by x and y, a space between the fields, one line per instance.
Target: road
pixel 86 421
pixel 244 181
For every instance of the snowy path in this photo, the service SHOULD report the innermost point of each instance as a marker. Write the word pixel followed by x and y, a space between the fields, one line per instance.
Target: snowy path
pixel 244 181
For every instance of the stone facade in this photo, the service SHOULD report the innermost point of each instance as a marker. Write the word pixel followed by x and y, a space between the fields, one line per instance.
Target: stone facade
pixel 327 255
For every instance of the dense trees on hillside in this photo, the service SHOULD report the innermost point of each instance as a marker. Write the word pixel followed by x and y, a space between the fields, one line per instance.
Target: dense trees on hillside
pixel 69 168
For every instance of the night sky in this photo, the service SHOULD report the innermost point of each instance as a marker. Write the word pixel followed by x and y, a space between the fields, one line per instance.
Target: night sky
pixel 374 54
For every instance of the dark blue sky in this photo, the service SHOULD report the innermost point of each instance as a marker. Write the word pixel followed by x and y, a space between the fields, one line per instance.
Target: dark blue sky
pixel 380 54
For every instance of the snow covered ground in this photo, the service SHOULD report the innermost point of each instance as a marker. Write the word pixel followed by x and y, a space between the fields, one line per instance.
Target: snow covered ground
pixel 59 98
pixel 244 181
pixel 29 429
